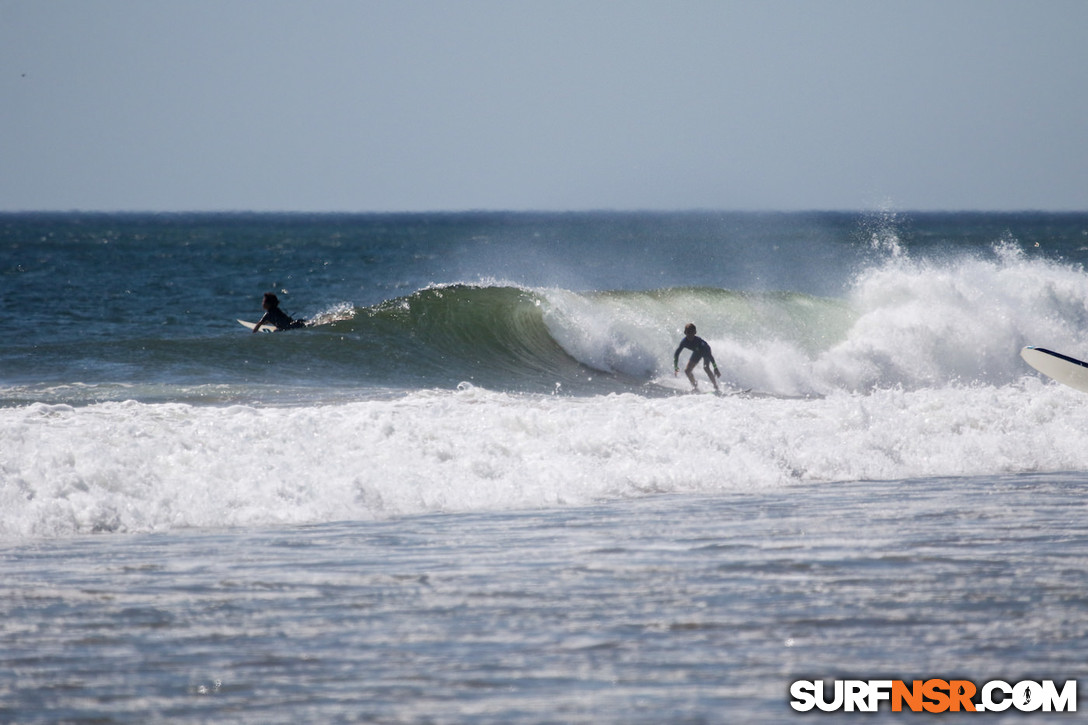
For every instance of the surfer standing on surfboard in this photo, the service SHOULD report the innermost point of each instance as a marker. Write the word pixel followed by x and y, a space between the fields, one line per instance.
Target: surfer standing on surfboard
pixel 700 350
pixel 276 317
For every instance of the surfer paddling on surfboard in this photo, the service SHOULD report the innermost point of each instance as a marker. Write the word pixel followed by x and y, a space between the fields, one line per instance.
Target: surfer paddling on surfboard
pixel 700 350
pixel 276 317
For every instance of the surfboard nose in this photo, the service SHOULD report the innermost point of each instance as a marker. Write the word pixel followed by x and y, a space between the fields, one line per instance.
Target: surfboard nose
pixel 1063 368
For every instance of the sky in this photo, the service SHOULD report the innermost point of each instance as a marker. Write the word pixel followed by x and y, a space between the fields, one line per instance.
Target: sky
pixel 429 105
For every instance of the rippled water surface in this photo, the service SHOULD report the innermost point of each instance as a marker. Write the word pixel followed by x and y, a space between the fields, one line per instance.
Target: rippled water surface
pixel 663 609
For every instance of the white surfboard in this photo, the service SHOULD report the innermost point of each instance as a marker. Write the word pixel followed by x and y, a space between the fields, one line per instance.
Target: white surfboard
pixel 264 328
pixel 1064 369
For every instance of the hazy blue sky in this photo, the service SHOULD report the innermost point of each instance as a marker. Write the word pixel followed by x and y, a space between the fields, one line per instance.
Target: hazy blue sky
pixel 473 104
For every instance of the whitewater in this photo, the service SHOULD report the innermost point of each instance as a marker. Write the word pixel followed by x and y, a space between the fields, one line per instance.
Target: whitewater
pixel 134 467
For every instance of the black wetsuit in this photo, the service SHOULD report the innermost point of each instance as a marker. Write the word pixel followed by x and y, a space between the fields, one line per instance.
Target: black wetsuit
pixel 278 318
pixel 699 347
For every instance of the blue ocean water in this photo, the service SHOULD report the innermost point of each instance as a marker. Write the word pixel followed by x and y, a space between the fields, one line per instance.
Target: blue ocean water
pixel 473 489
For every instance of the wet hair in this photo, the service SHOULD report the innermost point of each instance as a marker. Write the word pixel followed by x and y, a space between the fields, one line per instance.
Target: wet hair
pixel 271 299
pixel 689 329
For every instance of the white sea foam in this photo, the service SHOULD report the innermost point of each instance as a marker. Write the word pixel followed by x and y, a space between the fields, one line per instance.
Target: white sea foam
pixel 904 323
pixel 147 467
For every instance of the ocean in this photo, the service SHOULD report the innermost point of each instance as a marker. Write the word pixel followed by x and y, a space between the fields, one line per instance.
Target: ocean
pixel 473 490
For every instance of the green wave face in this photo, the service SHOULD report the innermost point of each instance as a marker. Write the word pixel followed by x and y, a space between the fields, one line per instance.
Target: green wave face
pixel 487 335
pixel 514 338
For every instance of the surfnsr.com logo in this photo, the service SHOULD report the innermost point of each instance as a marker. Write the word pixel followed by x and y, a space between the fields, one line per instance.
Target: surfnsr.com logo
pixel 933 695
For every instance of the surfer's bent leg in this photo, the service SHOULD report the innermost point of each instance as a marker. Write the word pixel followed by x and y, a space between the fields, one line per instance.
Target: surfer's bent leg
pixel 691 366
pixel 710 374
